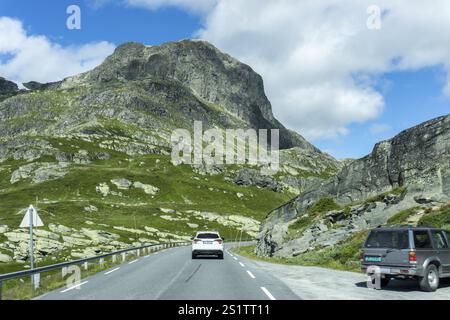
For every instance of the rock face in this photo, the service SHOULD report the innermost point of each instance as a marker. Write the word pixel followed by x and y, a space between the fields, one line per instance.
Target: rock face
pixel 7 86
pixel 204 71
pixel 418 159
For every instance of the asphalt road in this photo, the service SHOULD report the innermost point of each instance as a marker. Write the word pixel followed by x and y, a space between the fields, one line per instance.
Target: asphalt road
pixel 172 274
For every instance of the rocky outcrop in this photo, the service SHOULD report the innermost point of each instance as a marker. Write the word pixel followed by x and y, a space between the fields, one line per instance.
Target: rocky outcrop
pixel 191 67
pixel 7 87
pixel 418 160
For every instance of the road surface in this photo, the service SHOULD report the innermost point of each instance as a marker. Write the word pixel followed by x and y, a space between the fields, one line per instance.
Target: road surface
pixel 172 274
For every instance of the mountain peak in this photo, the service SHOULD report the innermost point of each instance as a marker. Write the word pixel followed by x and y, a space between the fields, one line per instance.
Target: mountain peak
pixel 212 76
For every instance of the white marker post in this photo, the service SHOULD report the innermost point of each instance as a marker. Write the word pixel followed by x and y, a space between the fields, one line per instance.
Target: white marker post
pixel 31 219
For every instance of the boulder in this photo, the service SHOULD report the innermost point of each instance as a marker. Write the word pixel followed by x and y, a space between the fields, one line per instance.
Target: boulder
pixel 148 189
pixel 122 184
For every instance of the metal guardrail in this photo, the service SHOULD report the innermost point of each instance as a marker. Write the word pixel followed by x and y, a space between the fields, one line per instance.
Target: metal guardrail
pixel 32 272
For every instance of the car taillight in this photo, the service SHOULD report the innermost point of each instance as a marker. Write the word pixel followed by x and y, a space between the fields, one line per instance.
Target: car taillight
pixel 196 241
pixel 412 257
pixel 219 241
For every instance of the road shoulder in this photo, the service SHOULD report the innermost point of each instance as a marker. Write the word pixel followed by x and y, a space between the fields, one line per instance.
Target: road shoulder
pixel 315 283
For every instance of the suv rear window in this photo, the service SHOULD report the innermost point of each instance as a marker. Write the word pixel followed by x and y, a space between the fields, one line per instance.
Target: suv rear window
pixel 207 236
pixel 422 240
pixel 388 239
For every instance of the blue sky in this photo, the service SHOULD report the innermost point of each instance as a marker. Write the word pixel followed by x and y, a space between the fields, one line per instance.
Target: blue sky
pixel 395 97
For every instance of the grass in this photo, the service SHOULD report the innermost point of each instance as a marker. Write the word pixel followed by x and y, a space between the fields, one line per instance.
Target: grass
pixel 312 213
pixel 402 216
pixel 437 219
pixel 380 197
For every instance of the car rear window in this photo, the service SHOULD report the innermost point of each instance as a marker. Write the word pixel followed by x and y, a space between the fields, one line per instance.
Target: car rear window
pixel 207 236
pixel 422 239
pixel 388 239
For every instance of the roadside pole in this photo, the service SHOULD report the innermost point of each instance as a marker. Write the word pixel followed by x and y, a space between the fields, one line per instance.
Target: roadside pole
pixel 30 221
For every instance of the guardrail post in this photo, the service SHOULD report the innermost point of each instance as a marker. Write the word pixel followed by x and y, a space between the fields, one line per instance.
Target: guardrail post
pixel 138 252
pixel 86 265
pixel 36 280
pixel 102 262
pixel 113 258
pixel 123 256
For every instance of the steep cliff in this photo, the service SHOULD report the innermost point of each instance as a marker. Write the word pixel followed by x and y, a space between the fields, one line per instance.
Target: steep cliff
pixel 412 169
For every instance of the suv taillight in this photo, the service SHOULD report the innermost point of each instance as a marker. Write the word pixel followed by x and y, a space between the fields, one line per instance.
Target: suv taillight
pixel 219 241
pixel 196 241
pixel 412 257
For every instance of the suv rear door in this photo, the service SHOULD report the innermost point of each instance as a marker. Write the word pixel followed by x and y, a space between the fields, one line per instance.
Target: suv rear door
pixel 442 247
pixel 387 248
pixel 423 245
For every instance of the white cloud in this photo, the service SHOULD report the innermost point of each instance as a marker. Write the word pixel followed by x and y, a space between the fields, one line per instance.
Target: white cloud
pixel 36 58
pixel 319 60
pixel 194 6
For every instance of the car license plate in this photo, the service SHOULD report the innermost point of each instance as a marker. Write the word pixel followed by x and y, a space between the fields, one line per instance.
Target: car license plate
pixel 372 259
pixel 207 242
pixel 385 270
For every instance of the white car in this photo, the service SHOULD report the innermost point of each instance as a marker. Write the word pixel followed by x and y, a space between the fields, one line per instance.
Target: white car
pixel 207 243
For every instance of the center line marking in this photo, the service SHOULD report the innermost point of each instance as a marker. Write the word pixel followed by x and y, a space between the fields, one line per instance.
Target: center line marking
pixel 74 287
pixel 271 297
pixel 242 265
pixel 251 275
pixel 133 261
pixel 235 258
pixel 111 271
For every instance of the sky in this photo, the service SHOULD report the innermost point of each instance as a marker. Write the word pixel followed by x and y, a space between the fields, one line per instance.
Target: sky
pixel 343 73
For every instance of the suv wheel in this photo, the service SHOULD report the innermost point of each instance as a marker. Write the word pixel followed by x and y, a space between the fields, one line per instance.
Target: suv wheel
pixel 430 282
pixel 194 256
pixel 220 256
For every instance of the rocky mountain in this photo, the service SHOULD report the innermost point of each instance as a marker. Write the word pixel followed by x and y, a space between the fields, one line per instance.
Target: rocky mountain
pixel 92 152
pixel 7 88
pixel 412 170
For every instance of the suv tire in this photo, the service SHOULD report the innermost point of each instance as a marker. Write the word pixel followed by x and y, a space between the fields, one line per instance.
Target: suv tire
pixel 220 256
pixel 430 282
pixel 194 256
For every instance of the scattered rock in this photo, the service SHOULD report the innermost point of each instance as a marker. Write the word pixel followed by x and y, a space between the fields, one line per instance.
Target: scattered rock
pixel 103 189
pixel 148 189
pixel 4 258
pixel 91 208
pixel 122 184
pixel 3 229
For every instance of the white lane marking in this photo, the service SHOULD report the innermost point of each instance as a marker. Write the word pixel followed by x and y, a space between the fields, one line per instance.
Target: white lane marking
pixel 146 257
pixel 131 262
pixel 235 258
pixel 251 275
pixel 271 297
pixel 242 265
pixel 74 287
pixel 111 271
